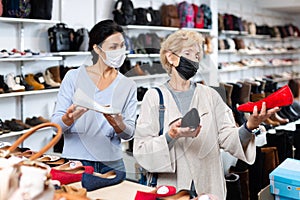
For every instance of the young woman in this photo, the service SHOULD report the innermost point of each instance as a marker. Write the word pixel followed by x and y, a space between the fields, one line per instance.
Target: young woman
pixel 92 137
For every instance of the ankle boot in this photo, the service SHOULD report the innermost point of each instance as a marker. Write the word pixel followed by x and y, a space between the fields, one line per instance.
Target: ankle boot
pixel 21 80
pixel 55 71
pixel 3 85
pixel 29 78
pixel 40 79
pixel 49 79
pixel 11 83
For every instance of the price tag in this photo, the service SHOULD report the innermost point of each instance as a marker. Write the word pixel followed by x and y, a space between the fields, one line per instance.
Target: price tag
pixel 149 18
pixel 18 80
pixel 119 5
pixel 41 79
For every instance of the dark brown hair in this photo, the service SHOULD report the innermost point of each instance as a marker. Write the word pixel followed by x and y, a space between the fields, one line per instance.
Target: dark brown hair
pixel 103 30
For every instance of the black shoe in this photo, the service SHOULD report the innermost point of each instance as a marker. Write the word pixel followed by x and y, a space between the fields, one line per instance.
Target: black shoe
pixel 13 125
pixel 34 121
pixel 20 80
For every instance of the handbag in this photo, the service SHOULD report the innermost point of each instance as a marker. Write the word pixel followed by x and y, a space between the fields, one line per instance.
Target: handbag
pixel 61 38
pixel 26 178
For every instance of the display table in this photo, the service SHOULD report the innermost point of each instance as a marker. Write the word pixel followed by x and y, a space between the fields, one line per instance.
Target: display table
pixel 125 191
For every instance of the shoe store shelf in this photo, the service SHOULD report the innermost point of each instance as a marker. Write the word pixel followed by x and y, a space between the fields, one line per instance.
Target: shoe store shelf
pixel 154 76
pixel 249 53
pixel 46 58
pixel 75 53
pixel 17 133
pixel 143 55
pixel 162 28
pixel 14 94
pixel 25 20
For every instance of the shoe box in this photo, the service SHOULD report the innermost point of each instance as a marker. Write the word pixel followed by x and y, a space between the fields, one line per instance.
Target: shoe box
pixel 285 180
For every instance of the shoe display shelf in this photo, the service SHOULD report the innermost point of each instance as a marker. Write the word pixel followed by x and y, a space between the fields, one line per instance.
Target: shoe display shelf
pixel 235 72
pixel 45 133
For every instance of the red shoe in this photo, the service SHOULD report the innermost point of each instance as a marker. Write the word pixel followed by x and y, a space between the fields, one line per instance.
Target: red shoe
pixel 70 176
pixel 282 97
pixel 161 191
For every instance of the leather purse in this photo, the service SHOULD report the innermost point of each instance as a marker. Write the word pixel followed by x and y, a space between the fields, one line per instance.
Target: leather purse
pixel 61 38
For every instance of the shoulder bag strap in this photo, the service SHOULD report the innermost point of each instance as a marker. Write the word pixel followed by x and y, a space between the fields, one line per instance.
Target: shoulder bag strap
pixel 153 178
pixel 161 111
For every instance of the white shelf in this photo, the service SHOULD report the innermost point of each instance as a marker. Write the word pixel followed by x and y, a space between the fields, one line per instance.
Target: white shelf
pixel 233 69
pixel 227 51
pixel 144 27
pixel 14 94
pixel 154 76
pixel 164 28
pixel 75 53
pixel 198 30
pixel 229 32
pixel 47 58
pixel 17 133
pixel 25 20
pixel 143 55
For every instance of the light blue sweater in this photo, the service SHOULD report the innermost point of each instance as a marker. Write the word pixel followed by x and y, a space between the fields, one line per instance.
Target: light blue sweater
pixel 91 137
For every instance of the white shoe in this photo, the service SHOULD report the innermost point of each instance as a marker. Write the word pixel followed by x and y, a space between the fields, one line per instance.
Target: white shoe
pixel 83 100
pixel 10 81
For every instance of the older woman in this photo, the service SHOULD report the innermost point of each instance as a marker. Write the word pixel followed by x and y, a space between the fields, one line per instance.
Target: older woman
pixel 181 155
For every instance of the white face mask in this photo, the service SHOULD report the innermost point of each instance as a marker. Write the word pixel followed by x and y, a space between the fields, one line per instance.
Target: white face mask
pixel 114 58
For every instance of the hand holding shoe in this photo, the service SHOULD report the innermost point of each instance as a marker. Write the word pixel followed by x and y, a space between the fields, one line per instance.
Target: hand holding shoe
pixel 73 113
pixel 258 117
pixel 176 131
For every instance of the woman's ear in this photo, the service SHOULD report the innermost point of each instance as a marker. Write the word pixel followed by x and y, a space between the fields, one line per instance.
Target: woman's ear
pixel 96 49
pixel 172 59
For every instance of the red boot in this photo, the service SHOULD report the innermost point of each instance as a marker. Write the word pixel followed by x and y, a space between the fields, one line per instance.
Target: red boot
pixel 282 97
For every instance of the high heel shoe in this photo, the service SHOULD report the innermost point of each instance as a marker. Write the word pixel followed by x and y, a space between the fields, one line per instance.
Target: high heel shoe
pixel 281 97
pixel 96 180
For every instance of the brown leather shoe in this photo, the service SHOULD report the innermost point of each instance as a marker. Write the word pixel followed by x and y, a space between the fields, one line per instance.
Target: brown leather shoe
pixel 269 121
pixel 275 117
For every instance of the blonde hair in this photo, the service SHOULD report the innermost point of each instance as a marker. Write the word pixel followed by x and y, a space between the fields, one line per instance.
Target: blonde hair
pixel 176 42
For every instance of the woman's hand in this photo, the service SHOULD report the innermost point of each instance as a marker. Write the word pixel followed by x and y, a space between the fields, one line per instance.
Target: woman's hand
pixel 256 118
pixel 176 131
pixel 73 113
pixel 116 121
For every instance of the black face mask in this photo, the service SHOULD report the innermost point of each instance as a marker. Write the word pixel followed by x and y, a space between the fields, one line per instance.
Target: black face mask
pixel 187 68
